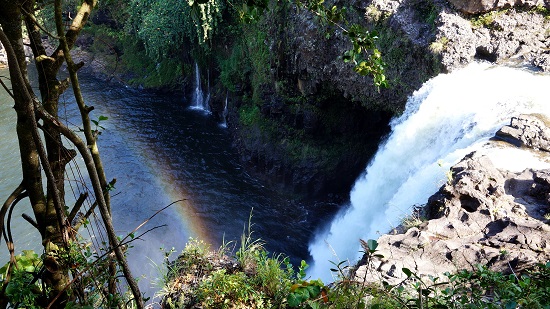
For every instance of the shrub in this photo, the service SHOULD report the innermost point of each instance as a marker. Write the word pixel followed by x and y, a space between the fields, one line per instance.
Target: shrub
pixel 264 281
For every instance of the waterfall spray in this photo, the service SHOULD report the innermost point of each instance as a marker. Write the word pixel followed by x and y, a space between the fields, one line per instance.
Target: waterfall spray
pixel 450 116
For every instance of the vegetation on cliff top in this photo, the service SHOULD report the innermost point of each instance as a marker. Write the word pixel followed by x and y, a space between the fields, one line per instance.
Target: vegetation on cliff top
pixel 201 278
pixel 176 30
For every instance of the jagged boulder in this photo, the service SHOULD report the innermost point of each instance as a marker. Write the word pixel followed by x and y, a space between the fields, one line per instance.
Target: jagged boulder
pixel 543 62
pixel 482 6
pixel 511 34
pixel 526 130
pixel 482 216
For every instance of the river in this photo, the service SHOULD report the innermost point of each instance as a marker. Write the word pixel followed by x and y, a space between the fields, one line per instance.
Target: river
pixel 160 150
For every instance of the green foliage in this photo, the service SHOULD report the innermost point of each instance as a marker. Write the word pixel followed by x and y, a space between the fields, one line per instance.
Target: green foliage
pixel 484 288
pixel 156 35
pixel 259 281
pixel 364 54
pixel 364 42
pixel 165 26
pixel 250 249
pixel 23 288
pixel 542 10
pixel 221 290
pixel 273 275
pixel 306 293
pixel 133 61
pixel 481 288
pixel 259 60
pixel 250 115
pixel 438 46
pixel 486 20
pixel 428 11
pixel 235 68
pixel 249 60
pixel 166 72
pixel 250 11
pixel 98 127
pixel 28 261
pixel 270 282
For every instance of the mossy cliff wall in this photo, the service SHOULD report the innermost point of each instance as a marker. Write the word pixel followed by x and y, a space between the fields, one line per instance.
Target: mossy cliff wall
pixel 300 115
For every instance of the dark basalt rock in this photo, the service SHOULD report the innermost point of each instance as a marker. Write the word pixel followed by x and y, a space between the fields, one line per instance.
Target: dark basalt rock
pixel 526 130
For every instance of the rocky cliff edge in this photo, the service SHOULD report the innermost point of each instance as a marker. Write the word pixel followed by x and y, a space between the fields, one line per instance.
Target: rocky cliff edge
pixel 482 215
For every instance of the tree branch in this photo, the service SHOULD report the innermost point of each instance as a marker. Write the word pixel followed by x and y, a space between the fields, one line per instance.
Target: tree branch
pixel 28 100
pixel 35 22
pixel 6 88
pixel 94 178
pixel 77 206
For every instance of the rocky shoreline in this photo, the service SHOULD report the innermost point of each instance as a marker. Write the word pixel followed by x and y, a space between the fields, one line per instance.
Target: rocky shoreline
pixel 481 216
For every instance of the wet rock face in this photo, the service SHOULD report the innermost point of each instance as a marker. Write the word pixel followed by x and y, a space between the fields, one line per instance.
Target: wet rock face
pixel 311 53
pixel 513 34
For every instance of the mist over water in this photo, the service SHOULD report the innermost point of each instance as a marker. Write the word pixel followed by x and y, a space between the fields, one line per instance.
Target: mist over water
pixel 450 116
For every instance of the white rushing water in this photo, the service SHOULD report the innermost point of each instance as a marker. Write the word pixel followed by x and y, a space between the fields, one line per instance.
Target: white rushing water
pixel 450 116
pixel 201 99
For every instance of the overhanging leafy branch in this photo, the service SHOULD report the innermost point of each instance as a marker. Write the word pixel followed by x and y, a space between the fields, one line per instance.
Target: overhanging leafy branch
pixel 364 54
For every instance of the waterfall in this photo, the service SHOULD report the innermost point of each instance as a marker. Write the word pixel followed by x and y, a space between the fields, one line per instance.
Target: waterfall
pixel 201 99
pixel 450 116
pixel 225 112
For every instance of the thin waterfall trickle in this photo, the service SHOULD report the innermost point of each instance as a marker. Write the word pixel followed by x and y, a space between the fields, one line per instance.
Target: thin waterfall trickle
pixel 201 99
pixel 225 112
pixel 206 106
pixel 450 116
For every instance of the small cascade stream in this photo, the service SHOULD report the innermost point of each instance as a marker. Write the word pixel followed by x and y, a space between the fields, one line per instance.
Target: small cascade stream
pixel 225 112
pixel 450 116
pixel 200 98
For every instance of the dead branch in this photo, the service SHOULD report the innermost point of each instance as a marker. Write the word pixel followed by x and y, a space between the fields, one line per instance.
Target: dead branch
pixel 77 206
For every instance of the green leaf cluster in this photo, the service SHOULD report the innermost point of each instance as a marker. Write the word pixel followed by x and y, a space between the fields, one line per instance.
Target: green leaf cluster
pixel 364 55
pixel 306 293
pixel 167 27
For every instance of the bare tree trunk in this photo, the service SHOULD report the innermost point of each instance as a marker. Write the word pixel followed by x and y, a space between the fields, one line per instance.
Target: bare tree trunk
pixel 49 210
